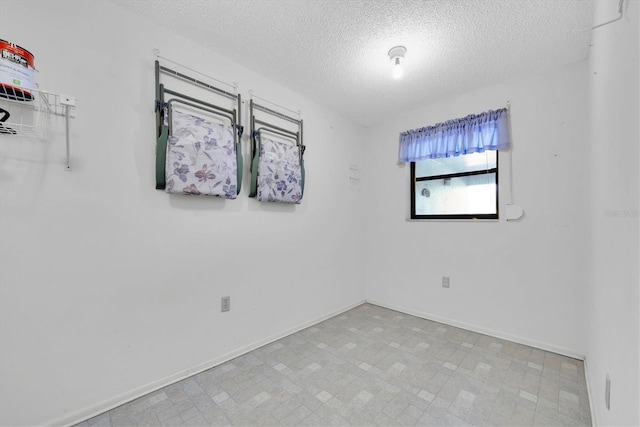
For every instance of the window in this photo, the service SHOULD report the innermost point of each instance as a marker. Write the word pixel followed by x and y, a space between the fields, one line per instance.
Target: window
pixel 460 187
pixel 454 166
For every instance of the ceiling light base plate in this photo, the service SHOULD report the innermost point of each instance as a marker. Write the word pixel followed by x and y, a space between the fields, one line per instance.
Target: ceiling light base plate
pixel 397 52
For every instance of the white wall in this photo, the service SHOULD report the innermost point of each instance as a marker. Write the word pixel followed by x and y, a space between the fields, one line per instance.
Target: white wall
pixel 107 285
pixel 525 279
pixel 614 316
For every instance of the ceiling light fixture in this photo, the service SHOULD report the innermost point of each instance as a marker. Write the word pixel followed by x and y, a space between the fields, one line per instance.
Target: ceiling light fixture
pixel 395 53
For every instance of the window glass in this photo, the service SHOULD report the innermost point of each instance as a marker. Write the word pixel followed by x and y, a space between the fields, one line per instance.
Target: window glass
pixel 462 187
pixel 449 165
pixel 465 195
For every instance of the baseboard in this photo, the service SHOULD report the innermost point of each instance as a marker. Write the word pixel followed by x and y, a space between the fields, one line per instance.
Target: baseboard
pixel 108 404
pixel 497 334
pixel 592 407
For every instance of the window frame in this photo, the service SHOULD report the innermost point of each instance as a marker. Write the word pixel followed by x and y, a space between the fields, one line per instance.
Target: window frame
pixel 415 180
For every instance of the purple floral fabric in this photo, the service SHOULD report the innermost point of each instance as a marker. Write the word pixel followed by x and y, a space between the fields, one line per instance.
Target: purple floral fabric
pixel 279 173
pixel 201 159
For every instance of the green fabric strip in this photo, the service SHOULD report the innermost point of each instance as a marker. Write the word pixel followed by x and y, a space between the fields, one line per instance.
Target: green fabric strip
pixel 161 158
pixel 239 163
pixel 253 191
pixel 302 174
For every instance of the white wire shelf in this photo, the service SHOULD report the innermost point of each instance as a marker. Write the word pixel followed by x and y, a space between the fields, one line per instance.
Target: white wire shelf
pixel 28 116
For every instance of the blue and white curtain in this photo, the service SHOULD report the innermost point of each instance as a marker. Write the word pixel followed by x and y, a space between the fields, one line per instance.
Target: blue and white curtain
pixel 472 134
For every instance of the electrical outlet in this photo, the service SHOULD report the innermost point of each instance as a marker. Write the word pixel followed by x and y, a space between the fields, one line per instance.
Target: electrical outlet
pixel 225 304
pixel 445 282
pixel 607 392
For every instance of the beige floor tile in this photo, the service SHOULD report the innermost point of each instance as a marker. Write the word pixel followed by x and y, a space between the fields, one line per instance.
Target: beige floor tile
pixel 372 366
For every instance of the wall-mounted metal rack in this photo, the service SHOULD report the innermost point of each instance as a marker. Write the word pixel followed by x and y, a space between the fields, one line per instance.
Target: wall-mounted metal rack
pixel 26 115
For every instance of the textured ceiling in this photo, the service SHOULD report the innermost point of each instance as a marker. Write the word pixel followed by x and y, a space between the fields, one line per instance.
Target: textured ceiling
pixel 335 51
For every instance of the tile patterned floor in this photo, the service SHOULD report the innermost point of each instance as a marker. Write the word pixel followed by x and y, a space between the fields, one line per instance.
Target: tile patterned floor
pixel 373 367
